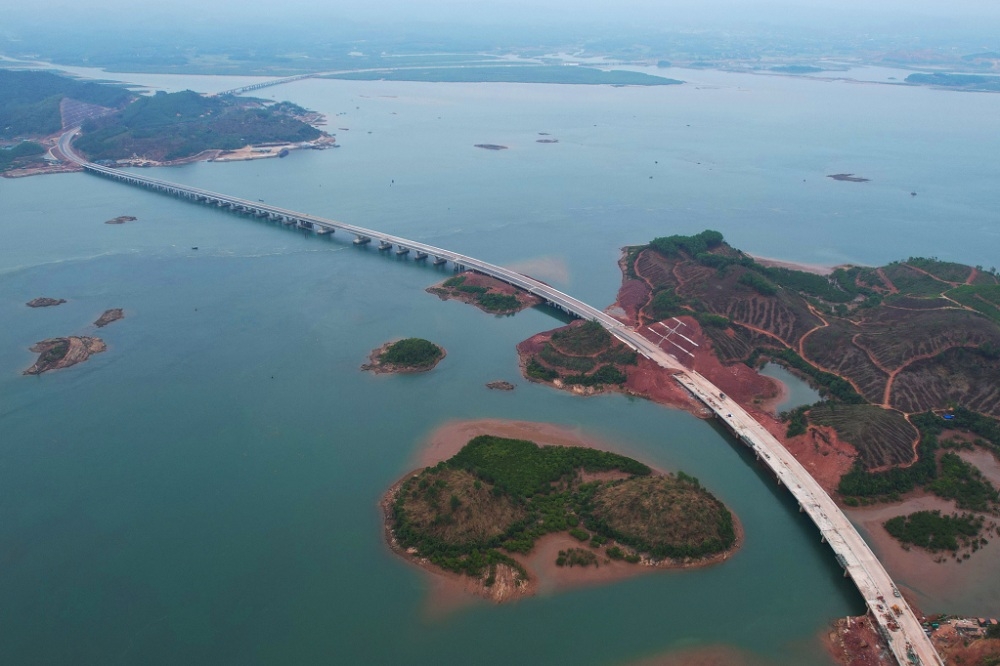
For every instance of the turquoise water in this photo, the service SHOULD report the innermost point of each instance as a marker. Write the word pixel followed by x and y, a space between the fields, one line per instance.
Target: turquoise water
pixel 205 491
pixel 799 391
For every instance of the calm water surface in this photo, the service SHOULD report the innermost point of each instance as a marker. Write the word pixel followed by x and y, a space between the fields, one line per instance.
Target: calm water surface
pixel 205 491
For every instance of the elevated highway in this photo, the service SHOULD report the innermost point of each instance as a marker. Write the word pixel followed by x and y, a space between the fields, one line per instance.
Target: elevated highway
pixel 902 630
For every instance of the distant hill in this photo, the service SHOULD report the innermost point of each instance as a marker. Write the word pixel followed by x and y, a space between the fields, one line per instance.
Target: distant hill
pixel 970 82
pixel 170 126
pixel 29 100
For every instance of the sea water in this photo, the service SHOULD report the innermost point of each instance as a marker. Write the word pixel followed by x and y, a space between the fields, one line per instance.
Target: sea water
pixel 205 491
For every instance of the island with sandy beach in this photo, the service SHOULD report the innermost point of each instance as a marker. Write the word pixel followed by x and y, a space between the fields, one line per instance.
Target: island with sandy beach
pixel 490 510
pixel 58 353
pixel 404 356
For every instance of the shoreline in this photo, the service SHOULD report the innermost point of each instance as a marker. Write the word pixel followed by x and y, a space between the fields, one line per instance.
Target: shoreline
pixel 450 591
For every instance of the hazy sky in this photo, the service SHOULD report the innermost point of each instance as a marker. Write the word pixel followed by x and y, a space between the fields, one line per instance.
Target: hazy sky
pixel 523 11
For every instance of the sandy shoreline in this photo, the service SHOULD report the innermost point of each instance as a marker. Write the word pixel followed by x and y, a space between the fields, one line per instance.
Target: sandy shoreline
pixel 450 591
pixel 794 265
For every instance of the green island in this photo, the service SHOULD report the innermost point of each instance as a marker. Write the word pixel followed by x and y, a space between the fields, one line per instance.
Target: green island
pixel 474 513
pixel 583 356
pixel 407 355
pixel 486 293
pixel 904 355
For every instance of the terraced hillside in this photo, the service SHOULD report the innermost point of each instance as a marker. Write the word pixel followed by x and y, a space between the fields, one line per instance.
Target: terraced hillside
pixel 907 338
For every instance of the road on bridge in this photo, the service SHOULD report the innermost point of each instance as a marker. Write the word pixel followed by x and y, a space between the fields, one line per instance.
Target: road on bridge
pixel 904 634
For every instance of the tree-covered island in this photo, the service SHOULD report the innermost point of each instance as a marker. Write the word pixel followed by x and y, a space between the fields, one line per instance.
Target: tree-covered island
pixel 407 355
pixel 480 512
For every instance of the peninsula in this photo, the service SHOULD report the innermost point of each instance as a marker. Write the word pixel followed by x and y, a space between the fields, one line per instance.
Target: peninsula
pixel 481 513
pixel 122 128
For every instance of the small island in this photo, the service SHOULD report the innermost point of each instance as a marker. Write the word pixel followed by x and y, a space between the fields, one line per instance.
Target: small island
pixel 848 177
pixel 486 293
pixel 44 302
pixel 121 219
pixel 500 386
pixel 481 512
pixel 109 316
pixel 405 356
pixel 58 353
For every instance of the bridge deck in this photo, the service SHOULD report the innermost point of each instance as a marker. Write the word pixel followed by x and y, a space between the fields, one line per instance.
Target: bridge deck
pixel 908 642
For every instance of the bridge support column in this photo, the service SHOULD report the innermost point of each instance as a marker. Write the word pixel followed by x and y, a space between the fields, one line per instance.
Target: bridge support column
pixel 822 538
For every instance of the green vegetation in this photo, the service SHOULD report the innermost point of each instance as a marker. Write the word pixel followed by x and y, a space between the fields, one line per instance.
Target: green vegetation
pixel 829 385
pixel 881 436
pixel 170 126
pixel 523 468
pixel 952 478
pixel 493 302
pixel 29 103
pixel 586 350
pixel 585 339
pixel 672 246
pixel 26 149
pixel 983 298
pixel 577 557
pixel 964 483
pixel 859 482
pixel 758 283
pixel 971 82
pixel 412 353
pixel 54 353
pixel 538 371
pixel 512 74
pixel 488 298
pixel 606 374
pixel 498 496
pixel 931 530
pixel 797 421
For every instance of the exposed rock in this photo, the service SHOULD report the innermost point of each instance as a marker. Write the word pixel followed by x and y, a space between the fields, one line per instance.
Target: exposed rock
pixel 501 386
pixel 43 302
pixel 57 353
pixel 121 219
pixel 109 316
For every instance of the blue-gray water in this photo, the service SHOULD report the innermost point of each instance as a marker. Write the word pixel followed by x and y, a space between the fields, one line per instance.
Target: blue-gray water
pixel 205 491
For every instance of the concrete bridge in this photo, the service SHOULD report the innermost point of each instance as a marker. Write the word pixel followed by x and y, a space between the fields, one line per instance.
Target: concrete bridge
pixel 903 631
pixel 265 84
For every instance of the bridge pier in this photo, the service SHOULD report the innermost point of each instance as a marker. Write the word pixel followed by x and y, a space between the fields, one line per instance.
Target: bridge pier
pixel 400 251
pixel 439 261
pixel 362 240
pixel 421 256
pixel 384 245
